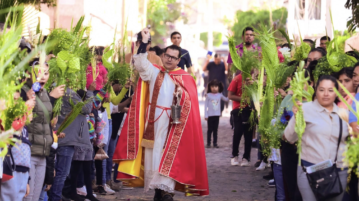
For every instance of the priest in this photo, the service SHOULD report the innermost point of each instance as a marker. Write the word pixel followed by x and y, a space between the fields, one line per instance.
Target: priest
pixel 153 151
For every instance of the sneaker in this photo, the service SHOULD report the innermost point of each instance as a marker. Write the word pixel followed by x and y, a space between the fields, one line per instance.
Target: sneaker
pixel 109 190
pixel 116 186
pixel 271 183
pixel 261 167
pixel 257 163
pixel 234 161
pixel 101 190
pixel 216 146
pixel 244 163
pixel 82 191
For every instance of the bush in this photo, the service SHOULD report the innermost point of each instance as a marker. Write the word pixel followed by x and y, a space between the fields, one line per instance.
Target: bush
pixel 256 18
pixel 217 39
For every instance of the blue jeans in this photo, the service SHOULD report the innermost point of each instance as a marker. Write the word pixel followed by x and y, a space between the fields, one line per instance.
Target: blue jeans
pixel 62 168
pixel 104 164
pixel 107 163
pixel 279 184
pixel 43 195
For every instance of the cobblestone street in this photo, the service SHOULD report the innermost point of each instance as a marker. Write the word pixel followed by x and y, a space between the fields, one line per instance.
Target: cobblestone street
pixel 226 182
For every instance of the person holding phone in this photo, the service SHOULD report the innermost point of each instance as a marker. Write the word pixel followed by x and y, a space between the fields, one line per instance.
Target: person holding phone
pixel 217 70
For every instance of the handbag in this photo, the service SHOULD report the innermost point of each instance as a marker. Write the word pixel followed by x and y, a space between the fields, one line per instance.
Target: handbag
pixel 101 155
pixel 8 166
pixel 325 183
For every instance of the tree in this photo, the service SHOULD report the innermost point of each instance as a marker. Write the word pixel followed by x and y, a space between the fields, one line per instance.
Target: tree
pixel 5 4
pixel 353 23
pixel 257 18
pixel 161 14
pixel 217 38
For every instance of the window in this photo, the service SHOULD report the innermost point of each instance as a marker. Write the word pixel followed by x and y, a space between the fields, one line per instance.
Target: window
pixel 299 9
pixel 313 10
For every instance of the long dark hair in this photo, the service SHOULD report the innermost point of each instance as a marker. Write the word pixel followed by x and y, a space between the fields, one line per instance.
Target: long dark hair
pixel 320 50
pixel 327 77
pixel 215 83
pixel 348 71
pixel 310 70
pixel 355 66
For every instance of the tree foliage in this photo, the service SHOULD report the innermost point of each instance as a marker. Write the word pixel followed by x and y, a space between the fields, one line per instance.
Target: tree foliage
pixel 257 18
pixel 353 22
pixel 217 38
pixel 4 4
pixel 160 15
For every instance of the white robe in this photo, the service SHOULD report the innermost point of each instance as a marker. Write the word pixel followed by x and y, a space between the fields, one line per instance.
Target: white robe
pixel 153 156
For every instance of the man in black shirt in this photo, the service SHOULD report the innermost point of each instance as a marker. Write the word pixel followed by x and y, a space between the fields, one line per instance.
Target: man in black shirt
pixel 217 70
pixel 176 39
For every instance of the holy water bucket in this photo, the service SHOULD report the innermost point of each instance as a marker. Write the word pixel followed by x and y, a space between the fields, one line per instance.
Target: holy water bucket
pixel 176 114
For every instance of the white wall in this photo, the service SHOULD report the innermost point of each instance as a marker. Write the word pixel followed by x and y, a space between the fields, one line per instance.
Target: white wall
pixel 314 29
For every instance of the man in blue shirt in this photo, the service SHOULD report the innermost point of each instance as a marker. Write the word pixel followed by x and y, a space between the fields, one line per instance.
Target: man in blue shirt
pixel 176 39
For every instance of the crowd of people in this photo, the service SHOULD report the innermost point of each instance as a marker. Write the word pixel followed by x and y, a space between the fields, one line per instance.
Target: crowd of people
pixel 78 162
pixel 139 134
pixel 328 122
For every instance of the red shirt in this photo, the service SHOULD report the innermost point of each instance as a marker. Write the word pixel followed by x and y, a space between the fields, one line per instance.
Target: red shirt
pixel 101 78
pixel 236 88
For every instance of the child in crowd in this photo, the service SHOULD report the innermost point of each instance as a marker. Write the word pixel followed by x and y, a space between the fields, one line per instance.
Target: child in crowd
pixel 101 71
pixel 105 141
pixel 212 110
pixel 17 188
pixel 109 148
pixel 98 137
pixel 118 115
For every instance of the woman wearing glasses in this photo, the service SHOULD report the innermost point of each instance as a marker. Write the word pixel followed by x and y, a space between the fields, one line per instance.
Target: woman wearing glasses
pixel 324 136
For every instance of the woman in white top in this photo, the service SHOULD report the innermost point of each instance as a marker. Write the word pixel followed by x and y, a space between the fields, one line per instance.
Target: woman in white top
pixel 320 138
